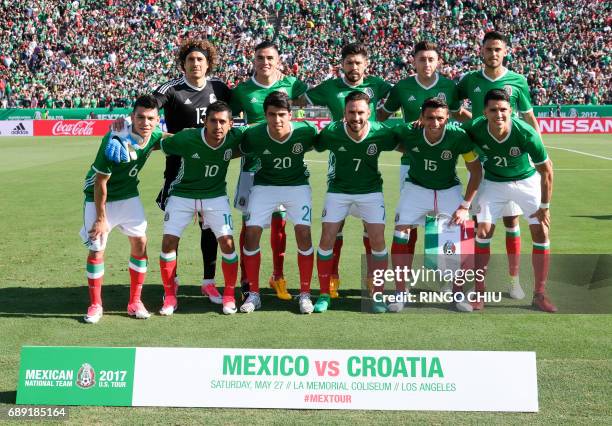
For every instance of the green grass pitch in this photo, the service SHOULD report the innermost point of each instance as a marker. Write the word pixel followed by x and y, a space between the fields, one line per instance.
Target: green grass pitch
pixel 43 291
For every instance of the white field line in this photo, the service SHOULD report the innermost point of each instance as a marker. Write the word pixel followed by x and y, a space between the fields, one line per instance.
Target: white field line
pixel 580 152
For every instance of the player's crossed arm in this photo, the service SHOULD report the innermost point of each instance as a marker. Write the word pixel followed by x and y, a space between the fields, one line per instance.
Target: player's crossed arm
pixel 474 166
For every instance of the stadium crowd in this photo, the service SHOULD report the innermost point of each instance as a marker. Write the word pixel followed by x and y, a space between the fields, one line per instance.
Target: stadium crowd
pixel 102 53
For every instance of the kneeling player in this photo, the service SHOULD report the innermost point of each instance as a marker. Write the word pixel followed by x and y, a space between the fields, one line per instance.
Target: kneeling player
pixel 512 148
pixel 282 178
pixel 111 200
pixel 432 184
pixel 353 181
pixel 200 189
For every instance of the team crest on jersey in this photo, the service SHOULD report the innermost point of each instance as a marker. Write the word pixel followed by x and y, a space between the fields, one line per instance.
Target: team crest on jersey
pixel 372 149
pixel 515 151
pixel 441 96
pixel 446 155
pixel 508 90
pixel 86 377
pixel 227 155
pixel 297 148
pixel 212 98
pixel 449 248
pixel 369 92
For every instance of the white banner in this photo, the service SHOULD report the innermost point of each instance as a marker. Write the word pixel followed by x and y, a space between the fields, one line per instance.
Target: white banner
pixel 336 379
pixel 16 128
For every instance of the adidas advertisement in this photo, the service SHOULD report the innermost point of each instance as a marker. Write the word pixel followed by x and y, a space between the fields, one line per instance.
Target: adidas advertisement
pixel 245 378
pixel 16 128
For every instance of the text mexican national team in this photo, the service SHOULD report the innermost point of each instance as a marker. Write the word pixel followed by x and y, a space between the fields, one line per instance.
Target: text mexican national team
pixel 510 173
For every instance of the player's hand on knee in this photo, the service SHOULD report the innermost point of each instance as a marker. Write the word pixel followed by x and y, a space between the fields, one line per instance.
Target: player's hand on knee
pixel 460 215
pixel 543 215
pixel 99 228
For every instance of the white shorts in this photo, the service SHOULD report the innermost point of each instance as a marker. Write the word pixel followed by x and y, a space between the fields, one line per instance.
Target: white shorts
pixel 243 192
pixel 128 215
pixel 369 207
pixel 494 197
pixel 416 202
pixel 215 213
pixel 264 200
pixel 510 209
pixel 403 173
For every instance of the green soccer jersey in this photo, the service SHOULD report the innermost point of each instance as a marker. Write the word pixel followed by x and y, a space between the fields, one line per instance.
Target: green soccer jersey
pixel 433 165
pixel 249 96
pixel 353 165
pixel 203 168
pixel 409 94
pixel 281 163
pixel 474 85
pixel 512 158
pixel 123 181
pixel 331 94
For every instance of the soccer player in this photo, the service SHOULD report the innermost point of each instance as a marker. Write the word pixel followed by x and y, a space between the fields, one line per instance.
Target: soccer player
pixel 473 86
pixel 353 181
pixel 248 97
pixel 282 178
pixel 331 94
pixel 514 151
pixel 184 101
pixel 432 183
pixel 200 188
pixel 111 200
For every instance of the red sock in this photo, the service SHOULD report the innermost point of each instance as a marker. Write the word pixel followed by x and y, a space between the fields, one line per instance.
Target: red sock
pixel 306 265
pixel 482 254
pixel 229 266
pixel 540 259
pixel 242 239
pixel 337 250
pixel 324 267
pixel 513 248
pixel 368 251
pixel 278 241
pixel 252 262
pixel 380 261
pixel 95 276
pixel 138 272
pixel 402 254
pixel 412 240
pixel 167 268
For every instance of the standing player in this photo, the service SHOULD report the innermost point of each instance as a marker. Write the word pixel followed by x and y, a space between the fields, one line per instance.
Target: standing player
pixel 200 188
pixel 248 97
pixel 282 178
pixel 432 183
pixel 410 93
pixel 473 86
pixel 513 148
pixel 331 94
pixel 111 200
pixel 353 181
pixel 184 101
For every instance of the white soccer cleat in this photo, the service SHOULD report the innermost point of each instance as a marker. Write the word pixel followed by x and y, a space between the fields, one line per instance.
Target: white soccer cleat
pixel 252 302
pixel 464 306
pixel 229 306
pixel 94 314
pixel 213 294
pixel 516 291
pixel 170 305
pixel 396 307
pixel 306 306
pixel 447 287
pixel 138 310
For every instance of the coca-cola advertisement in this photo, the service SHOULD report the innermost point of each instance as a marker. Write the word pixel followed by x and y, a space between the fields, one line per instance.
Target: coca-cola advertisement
pixel 71 127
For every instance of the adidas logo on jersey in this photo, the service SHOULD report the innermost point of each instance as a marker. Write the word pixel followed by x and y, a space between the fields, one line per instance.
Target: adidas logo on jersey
pixel 187 102
pixel 415 149
pixel 267 152
pixel 412 98
pixel 477 89
pixel 343 149
pixel 485 146
pixel 253 100
pixel 196 156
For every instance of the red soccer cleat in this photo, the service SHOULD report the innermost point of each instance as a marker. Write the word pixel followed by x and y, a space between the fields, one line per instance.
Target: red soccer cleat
pixel 543 303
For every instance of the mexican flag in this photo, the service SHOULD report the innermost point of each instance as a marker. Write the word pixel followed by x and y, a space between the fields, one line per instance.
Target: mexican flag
pixel 448 246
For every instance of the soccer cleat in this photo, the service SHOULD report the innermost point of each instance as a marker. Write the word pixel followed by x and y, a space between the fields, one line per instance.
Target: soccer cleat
pixel 252 303
pixel 515 291
pixel 543 303
pixel 170 305
pixel 464 306
pixel 138 310
pixel 306 306
pixel 334 285
pixel 378 307
pixel 245 287
pixel 229 305
pixel 396 307
pixel 280 286
pixel 94 314
pixel 447 287
pixel 477 305
pixel 322 303
pixel 213 294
